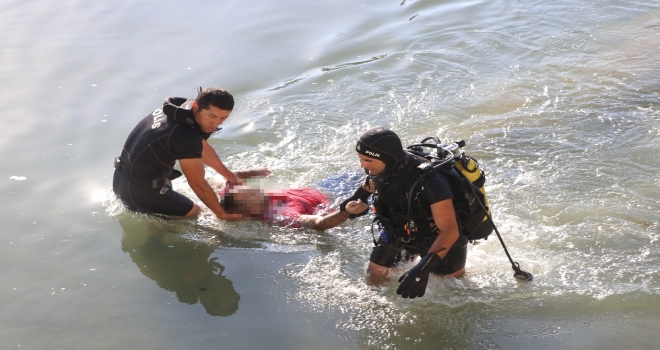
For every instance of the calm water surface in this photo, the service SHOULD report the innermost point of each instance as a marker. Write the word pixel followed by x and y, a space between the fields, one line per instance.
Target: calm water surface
pixel 558 100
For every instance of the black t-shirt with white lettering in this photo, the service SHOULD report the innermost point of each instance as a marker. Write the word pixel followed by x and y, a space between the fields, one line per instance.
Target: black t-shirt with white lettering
pixel 158 141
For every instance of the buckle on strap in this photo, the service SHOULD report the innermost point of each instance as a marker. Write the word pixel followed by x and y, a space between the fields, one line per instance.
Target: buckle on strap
pixel 162 182
pixel 118 165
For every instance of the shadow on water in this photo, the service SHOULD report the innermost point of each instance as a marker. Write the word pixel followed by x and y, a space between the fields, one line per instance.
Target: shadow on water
pixel 179 265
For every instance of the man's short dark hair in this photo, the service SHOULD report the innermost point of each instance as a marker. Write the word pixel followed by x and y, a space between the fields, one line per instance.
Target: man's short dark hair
pixel 215 97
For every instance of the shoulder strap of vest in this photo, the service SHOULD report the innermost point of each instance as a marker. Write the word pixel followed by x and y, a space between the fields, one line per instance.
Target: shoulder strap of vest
pixel 180 109
pixel 428 168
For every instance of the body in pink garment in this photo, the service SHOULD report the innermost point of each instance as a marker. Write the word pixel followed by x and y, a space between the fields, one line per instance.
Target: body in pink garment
pixel 286 206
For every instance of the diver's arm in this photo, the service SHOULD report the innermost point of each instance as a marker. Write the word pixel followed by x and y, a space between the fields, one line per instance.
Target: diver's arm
pixel 193 169
pixel 445 219
pixel 412 284
pixel 211 159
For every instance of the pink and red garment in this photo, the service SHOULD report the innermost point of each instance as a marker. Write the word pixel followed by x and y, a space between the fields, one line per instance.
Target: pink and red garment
pixel 286 206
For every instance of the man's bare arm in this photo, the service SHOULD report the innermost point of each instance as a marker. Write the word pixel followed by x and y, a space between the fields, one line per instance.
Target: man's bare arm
pixel 445 219
pixel 211 159
pixel 194 171
pixel 318 222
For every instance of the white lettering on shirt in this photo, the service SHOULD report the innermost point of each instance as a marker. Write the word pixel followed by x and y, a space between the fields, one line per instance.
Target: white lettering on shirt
pixel 158 117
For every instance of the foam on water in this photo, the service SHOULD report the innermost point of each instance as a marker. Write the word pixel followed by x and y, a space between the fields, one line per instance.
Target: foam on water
pixel 563 121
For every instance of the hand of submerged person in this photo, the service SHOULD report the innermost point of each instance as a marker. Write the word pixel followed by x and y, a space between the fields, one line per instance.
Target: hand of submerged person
pixel 412 283
pixel 263 172
pixel 234 179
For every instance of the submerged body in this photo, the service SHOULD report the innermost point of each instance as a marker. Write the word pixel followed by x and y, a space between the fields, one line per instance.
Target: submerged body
pixel 295 207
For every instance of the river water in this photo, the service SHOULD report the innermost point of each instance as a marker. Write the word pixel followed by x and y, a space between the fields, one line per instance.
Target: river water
pixel 558 100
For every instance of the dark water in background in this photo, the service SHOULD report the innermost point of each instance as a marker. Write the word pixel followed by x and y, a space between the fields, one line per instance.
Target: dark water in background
pixel 559 101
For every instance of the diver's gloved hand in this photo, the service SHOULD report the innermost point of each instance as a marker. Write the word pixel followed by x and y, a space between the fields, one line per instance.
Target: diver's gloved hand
pixel 412 284
pixel 356 208
pixel 362 195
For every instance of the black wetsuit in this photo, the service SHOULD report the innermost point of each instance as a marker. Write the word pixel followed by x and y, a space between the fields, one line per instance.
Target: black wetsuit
pixel 391 202
pixel 167 134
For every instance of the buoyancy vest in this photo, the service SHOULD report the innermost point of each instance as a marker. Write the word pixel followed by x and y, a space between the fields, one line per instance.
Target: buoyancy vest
pixel 396 214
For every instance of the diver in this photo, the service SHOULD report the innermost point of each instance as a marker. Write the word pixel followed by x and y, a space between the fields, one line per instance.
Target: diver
pixel 432 232
pixel 178 130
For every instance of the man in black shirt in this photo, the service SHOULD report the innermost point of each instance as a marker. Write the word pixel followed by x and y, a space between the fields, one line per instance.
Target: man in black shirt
pixel 176 131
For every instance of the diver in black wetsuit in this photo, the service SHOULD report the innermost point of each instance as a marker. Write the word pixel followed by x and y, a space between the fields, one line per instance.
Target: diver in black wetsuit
pixel 431 231
pixel 176 131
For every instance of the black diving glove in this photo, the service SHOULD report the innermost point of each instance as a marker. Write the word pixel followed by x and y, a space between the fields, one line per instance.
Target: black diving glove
pixel 412 284
pixel 360 194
